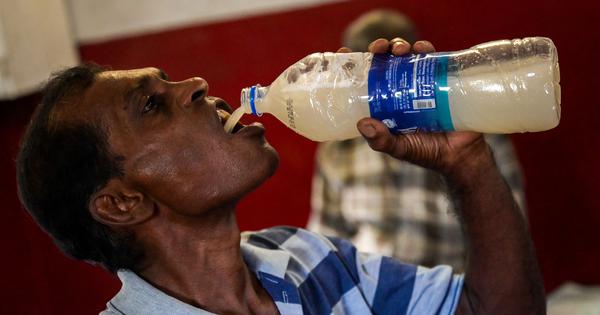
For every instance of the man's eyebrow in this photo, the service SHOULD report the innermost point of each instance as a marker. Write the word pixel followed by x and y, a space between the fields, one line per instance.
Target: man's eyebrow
pixel 141 85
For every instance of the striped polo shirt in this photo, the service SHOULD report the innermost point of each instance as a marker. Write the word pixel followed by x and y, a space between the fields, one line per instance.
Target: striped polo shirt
pixel 307 273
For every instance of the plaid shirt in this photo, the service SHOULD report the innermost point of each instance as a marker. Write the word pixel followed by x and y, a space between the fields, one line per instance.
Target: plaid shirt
pixel 392 207
pixel 306 273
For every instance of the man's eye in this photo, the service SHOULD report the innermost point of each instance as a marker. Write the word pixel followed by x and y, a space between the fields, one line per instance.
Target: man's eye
pixel 151 104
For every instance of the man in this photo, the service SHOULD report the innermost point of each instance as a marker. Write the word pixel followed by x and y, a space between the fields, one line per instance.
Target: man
pixel 132 171
pixel 385 205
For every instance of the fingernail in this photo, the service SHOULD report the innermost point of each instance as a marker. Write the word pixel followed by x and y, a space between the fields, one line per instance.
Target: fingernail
pixel 423 44
pixel 400 45
pixel 368 131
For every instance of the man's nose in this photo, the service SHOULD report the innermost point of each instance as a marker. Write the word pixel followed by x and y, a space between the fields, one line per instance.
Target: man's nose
pixel 191 90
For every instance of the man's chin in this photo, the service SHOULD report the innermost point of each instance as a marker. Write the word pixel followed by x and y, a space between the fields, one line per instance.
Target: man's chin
pixel 275 163
pixel 270 162
pixel 266 167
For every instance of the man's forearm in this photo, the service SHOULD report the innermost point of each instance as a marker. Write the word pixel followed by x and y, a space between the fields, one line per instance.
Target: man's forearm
pixel 502 274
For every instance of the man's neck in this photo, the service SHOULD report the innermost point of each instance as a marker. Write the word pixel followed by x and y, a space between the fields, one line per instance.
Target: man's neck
pixel 201 263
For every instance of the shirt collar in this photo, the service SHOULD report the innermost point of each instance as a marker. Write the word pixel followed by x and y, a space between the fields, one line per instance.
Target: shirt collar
pixel 139 297
pixel 270 266
pixel 270 261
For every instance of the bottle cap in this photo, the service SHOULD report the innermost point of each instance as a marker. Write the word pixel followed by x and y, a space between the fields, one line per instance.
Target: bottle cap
pixel 252 98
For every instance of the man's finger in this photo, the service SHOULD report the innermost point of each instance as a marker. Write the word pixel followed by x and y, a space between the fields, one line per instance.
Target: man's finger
pixel 399 46
pixel 379 137
pixel 423 47
pixel 344 50
pixel 379 46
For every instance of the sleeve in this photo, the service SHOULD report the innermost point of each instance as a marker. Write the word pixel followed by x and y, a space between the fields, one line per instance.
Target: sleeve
pixel 509 167
pixel 393 287
pixel 326 215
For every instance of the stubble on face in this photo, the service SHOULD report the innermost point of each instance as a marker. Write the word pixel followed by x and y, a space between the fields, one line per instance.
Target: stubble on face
pixel 179 156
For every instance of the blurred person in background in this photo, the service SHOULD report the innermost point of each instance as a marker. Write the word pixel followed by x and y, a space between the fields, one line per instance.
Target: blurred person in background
pixel 385 205
pixel 134 172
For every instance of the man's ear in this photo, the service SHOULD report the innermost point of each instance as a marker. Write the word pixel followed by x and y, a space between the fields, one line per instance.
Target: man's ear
pixel 116 204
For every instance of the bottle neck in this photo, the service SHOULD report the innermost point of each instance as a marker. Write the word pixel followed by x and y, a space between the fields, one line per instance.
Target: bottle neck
pixel 252 98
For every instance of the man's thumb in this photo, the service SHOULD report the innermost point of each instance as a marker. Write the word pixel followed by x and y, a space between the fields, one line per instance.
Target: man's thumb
pixel 378 136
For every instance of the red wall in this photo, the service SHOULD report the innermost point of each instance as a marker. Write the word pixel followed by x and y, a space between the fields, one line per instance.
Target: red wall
pixel 560 166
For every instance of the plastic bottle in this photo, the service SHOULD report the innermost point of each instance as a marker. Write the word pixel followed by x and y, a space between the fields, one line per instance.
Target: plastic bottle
pixel 497 87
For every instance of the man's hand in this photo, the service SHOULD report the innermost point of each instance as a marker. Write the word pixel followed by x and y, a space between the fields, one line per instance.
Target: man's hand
pixel 502 275
pixel 444 152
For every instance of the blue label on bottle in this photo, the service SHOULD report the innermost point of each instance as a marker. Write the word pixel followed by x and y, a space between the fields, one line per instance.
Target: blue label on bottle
pixel 409 93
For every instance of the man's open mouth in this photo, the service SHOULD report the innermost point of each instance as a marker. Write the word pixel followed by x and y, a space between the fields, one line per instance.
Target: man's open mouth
pixel 224 116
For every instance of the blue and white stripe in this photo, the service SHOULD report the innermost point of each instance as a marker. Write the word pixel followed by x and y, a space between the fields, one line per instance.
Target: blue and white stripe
pixel 306 273
pixel 330 277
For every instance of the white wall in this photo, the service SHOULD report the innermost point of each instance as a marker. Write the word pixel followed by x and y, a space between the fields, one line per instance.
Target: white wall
pixel 99 20
pixel 35 39
pixel 38 37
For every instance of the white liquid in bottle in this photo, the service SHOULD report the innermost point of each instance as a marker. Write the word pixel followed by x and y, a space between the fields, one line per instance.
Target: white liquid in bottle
pixel 506 97
pixel 321 97
pixel 497 87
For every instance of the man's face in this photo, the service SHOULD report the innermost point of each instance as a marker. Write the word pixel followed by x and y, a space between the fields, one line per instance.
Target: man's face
pixel 171 135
